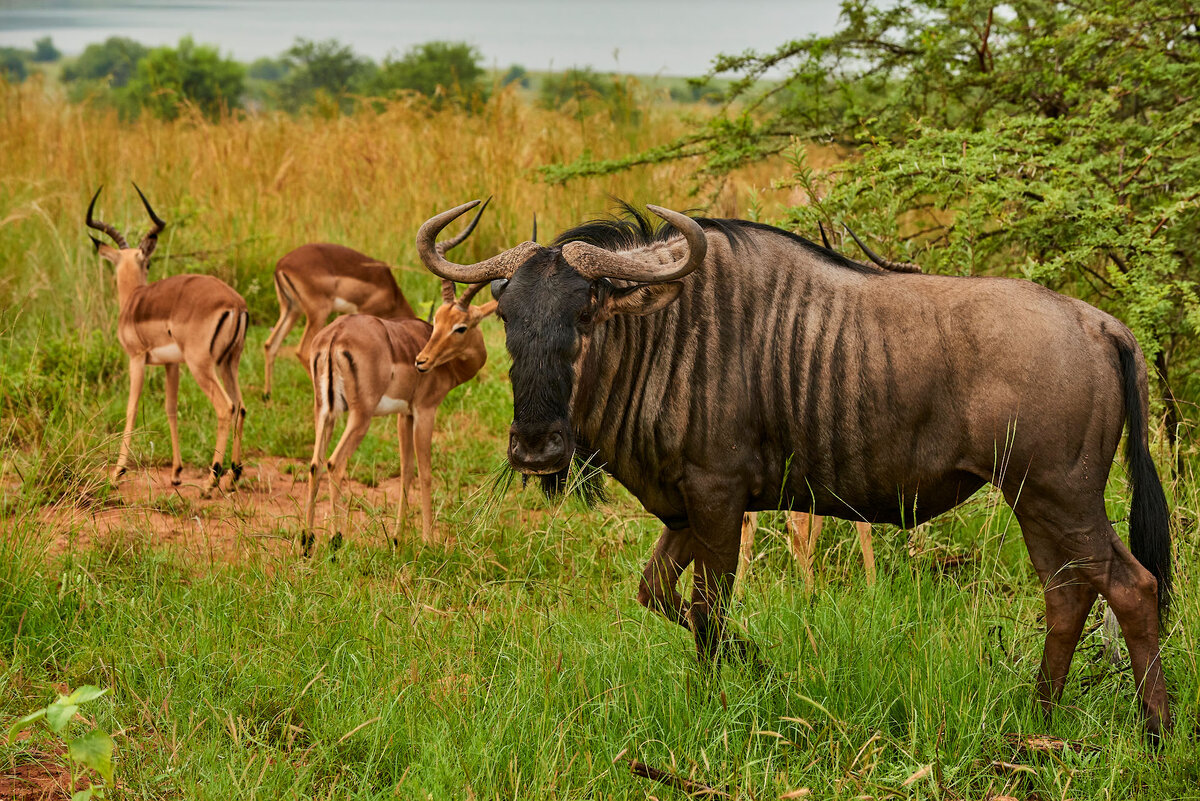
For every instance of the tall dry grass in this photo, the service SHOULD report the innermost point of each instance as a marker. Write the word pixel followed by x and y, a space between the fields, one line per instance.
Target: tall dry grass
pixel 240 193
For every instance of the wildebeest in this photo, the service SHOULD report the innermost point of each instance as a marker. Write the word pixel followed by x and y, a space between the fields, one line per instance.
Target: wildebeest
pixel 717 366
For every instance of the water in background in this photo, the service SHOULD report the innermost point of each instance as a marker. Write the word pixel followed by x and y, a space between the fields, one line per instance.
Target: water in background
pixel 668 37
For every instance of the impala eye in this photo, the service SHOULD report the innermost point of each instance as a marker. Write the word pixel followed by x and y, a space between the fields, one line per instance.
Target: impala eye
pixel 460 329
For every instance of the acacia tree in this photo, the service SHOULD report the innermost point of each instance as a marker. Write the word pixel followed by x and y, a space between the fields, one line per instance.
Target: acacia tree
pixel 1054 139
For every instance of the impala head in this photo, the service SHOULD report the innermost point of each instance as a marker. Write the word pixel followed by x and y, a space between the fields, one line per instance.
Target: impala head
pixel 453 323
pixel 123 256
pixel 551 300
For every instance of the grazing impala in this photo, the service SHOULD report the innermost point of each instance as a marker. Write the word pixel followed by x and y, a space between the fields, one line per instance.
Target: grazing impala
pixel 196 319
pixel 370 367
pixel 318 280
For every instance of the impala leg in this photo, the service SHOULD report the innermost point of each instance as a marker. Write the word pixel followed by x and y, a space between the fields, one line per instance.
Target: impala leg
pixel 339 508
pixel 172 404
pixel 313 323
pixel 137 377
pixel 229 375
pixel 404 433
pixel 749 529
pixel 805 530
pixel 659 588
pixel 868 550
pixel 424 447
pixel 287 319
pixel 204 370
pixel 323 425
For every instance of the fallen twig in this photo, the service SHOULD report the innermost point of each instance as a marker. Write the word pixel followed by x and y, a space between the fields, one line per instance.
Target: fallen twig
pixel 689 786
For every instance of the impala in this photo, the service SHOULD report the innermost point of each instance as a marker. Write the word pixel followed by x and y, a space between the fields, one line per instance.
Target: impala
pixel 370 367
pixel 195 319
pixel 318 280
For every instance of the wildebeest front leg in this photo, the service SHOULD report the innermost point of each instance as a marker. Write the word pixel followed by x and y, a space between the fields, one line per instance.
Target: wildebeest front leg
pixel 659 589
pixel 715 509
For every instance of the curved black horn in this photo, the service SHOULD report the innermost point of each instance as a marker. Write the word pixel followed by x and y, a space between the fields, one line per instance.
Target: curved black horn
pixel 501 265
pixel 887 264
pixel 150 240
pixel 824 239
pixel 100 225
pixel 643 267
pixel 534 237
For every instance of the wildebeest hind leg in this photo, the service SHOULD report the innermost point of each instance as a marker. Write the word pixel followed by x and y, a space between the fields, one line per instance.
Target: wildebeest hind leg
pixel 1069 597
pixel 659 588
pixel 1098 556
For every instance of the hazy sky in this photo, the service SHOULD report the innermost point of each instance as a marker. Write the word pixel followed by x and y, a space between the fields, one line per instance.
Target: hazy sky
pixel 672 37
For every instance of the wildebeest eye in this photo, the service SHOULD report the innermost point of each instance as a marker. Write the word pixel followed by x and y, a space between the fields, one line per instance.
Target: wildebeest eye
pixel 585 316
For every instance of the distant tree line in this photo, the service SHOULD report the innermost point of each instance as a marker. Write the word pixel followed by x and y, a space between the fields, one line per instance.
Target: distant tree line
pixel 325 77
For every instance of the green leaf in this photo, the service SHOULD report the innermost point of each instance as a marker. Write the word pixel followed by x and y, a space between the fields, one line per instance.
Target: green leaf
pixel 94 750
pixel 60 713
pixel 85 693
pixel 14 729
pixel 83 795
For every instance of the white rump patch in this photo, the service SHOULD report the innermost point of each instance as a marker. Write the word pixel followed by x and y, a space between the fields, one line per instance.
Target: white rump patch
pixel 391 406
pixel 165 354
pixel 343 306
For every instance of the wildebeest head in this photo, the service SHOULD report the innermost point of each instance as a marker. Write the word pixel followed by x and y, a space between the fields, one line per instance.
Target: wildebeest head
pixel 551 300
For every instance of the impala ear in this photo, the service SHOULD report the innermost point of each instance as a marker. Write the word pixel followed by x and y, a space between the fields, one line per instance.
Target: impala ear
pixel 106 251
pixel 483 310
pixel 638 300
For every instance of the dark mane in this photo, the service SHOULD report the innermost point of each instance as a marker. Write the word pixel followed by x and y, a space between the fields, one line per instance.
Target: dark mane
pixel 636 228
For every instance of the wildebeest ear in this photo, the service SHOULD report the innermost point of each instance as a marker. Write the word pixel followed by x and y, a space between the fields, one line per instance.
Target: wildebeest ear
pixel 639 300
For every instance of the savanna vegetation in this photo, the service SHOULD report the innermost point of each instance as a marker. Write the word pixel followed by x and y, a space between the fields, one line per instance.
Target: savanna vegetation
pixel 515 662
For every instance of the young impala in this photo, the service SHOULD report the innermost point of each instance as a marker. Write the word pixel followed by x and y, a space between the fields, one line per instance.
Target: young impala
pixel 318 280
pixel 195 319
pixel 369 367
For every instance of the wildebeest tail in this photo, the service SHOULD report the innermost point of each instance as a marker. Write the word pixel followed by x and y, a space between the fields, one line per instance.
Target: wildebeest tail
pixel 1149 519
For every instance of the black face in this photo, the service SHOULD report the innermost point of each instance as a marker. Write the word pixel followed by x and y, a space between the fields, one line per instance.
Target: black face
pixel 547 309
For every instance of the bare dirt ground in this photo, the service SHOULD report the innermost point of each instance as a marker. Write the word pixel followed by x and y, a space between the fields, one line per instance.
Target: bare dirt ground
pixel 261 518
pixel 37 776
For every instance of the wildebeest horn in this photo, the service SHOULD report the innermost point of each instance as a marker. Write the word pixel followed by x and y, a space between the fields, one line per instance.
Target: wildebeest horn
pixel 449 244
pixel 534 237
pixel 642 266
pixel 150 240
pixel 100 225
pixel 501 265
pixel 887 264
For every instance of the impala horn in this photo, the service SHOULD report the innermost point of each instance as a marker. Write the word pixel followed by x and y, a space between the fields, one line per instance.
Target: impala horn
pixel 100 225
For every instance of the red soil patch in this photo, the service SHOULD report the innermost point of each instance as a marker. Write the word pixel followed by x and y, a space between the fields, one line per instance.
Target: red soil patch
pixel 262 518
pixel 44 777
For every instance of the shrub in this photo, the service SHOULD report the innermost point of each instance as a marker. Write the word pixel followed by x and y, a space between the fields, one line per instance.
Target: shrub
pixel 116 60
pixel 191 73
pixel 434 69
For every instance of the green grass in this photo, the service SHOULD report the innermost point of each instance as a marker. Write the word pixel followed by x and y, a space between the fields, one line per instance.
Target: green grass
pixel 518 664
